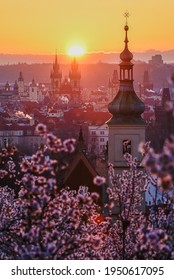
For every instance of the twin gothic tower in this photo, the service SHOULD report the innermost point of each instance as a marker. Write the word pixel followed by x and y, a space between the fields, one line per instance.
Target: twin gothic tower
pixel 69 87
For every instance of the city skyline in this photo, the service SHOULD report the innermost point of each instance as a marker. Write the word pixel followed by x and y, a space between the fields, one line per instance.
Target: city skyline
pixel 44 26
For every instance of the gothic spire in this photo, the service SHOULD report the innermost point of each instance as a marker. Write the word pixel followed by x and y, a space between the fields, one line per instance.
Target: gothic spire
pixel 81 141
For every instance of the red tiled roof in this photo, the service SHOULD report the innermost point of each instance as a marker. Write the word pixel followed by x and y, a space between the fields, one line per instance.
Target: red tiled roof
pixel 88 116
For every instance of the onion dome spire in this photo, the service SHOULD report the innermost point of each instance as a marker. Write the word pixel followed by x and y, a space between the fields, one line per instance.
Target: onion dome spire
pixel 126 107
pixel 126 55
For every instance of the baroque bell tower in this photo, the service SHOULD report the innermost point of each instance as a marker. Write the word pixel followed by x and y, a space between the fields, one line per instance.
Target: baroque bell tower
pixel 126 126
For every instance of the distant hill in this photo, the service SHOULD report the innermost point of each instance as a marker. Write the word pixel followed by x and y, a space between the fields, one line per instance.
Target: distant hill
pixel 113 57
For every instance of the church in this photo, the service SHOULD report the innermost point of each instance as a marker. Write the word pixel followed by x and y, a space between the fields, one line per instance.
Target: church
pixel 67 90
pixel 126 126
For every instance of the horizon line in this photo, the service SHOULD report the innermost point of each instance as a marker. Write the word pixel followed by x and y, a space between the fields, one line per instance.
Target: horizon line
pixel 86 53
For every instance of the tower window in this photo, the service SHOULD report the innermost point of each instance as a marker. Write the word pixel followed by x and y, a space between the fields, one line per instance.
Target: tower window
pixel 126 146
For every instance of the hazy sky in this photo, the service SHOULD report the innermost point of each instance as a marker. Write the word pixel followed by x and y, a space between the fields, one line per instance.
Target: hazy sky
pixel 41 26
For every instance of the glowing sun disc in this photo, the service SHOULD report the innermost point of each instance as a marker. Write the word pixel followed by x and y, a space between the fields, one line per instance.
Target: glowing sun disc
pixel 76 51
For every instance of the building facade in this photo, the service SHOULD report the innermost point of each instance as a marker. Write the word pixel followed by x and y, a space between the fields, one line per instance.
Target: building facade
pixel 97 139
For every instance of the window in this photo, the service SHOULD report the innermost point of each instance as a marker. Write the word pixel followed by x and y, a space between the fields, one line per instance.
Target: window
pixel 19 133
pixel 93 132
pixel 102 132
pixel 126 146
pixel 102 140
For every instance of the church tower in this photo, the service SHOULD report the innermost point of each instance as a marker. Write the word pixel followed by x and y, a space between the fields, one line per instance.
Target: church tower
pixel 7 87
pixel 56 76
pixel 21 89
pixel 75 77
pixel 126 126
pixel 33 91
pixel 15 88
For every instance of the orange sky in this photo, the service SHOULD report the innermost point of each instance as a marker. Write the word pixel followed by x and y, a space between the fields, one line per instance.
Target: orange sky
pixel 41 26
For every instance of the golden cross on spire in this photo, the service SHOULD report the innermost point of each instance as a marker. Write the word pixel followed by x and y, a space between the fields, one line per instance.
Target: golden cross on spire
pixel 126 15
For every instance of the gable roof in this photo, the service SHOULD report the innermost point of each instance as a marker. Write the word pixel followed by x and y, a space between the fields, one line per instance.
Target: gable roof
pixel 80 163
pixel 81 173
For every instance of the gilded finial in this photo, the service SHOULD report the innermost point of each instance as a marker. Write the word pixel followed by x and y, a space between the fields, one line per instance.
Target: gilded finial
pixel 126 15
pixel 126 55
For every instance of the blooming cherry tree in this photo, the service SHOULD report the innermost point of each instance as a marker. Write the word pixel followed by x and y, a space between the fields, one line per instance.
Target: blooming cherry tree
pixel 40 220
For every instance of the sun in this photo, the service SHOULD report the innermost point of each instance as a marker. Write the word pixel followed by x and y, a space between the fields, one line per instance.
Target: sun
pixel 76 50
